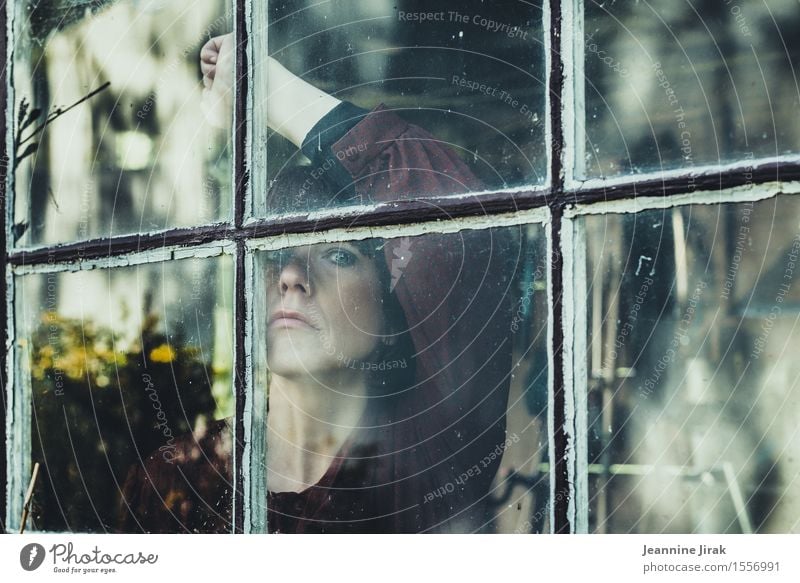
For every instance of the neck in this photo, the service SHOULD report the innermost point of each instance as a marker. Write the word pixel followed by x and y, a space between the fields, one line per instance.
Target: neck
pixel 308 422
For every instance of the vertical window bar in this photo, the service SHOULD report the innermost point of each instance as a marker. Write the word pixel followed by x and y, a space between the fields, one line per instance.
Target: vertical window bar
pixel 240 390
pixel 573 284
pixel 575 375
pixel 18 417
pixel 255 454
pixel 4 166
pixel 559 450
pixel 254 466
pixel 555 93
pixel 240 119
pixel 242 183
pixel 559 476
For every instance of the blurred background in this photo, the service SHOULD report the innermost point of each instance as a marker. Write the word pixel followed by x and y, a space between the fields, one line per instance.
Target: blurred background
pixel 674 85
pixel 377 52
pixel 694 388
pixel 136 156
pixel 118 363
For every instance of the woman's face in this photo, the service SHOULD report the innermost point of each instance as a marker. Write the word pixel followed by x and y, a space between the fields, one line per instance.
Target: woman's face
pixel 324 306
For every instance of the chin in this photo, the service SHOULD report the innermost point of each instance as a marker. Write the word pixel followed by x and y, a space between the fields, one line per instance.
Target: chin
pixel 295 360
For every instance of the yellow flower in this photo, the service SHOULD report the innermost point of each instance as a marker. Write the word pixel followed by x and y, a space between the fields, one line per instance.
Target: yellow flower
pixel 163 353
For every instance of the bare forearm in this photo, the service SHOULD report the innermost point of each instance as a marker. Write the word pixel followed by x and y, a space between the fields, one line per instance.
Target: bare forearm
pixel 293 105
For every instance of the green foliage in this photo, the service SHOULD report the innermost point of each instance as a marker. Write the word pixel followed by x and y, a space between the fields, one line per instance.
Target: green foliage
pixel 96 413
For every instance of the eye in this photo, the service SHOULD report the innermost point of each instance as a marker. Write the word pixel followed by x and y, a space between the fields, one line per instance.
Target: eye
pixel 341 257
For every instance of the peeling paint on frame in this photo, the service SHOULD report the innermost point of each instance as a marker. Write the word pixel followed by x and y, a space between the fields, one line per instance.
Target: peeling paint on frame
pixel 745 193
pixel 131 259
pixel 533 216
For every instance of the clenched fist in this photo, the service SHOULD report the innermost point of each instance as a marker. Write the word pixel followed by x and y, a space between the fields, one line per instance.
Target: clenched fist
pixel 216 64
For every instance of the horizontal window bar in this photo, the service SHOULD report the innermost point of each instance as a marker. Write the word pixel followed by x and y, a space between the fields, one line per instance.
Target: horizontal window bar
pixel 394 214
pixel 416 211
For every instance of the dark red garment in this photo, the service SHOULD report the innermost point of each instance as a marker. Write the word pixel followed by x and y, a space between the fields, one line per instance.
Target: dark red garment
pixel 428 464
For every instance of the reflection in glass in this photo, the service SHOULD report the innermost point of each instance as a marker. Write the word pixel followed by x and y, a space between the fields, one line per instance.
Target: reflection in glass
pixel 127 369
pixel 470 73
pixel 673 85
pixel 402 397
pixel 135 152
pixel 693 386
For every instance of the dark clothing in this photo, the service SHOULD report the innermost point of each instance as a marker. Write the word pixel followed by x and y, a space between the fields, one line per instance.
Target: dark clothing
pixel 444 432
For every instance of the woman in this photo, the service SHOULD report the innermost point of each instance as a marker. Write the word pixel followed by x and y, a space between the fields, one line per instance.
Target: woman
pixel 388 385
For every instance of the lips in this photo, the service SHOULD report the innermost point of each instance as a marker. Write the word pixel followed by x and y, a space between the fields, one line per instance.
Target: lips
pixel 289 319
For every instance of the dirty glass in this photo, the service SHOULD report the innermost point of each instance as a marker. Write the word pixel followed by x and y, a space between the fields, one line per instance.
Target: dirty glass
pixel 675 85
pixel 693 378
pixel 470 74
pixel 403 398
pixel 110 130
pixel 127 374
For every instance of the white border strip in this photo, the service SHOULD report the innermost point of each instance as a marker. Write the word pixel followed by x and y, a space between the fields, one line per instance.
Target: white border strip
pixel 17 421
pixel 172 253
pixel 533 216
pixel 548 102
pixel 575 335
pixel 573 99
pixel 743 164
pixel 744 193
pixel 253 466
pixel 569 301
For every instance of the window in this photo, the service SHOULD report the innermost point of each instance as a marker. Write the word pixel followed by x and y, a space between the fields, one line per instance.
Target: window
pixel 534 273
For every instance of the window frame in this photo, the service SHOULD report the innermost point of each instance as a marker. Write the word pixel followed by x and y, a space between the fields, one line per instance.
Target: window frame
pixel 558 205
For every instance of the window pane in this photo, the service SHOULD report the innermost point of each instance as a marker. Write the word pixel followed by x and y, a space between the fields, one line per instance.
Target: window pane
pixel 129 371
pixel 136 152
pixel 693 386
pixel 470 73
pixel 683 84
pixel 390 384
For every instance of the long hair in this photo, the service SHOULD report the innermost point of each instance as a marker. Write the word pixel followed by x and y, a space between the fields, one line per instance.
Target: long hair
pixel 426 426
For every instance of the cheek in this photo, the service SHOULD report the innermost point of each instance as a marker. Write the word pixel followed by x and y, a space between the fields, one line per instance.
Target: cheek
pixel 361 312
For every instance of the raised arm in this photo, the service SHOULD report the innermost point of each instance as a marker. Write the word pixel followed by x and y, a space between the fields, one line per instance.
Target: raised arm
pixel 293 105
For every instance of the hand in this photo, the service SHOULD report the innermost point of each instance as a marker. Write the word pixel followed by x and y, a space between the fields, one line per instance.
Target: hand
pixel 216 64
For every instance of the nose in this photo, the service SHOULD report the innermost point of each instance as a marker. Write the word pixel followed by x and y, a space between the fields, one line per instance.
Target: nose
pixel 294 277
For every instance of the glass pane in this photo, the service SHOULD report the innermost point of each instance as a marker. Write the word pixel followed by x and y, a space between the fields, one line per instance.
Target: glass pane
pixel 129 371
pixel 402 398
pixel 111 136
pixel 469 72
pixel 673 85
pixel 693 386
